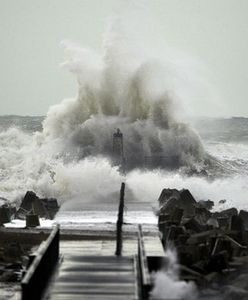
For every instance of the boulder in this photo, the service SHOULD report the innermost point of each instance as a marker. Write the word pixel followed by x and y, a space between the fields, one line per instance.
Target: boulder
pixel 237 224
pixel 217 262
pixel 5 214
pixel 176 215
pixel 163 218
pixel 243 214
pixel 202 237
pixel 13 252
pixel 32 204
pixel 194 226
pixel 241 281
pixel 227 213
pixel 202 215
pixel 51 205
pixel 187 202
pixel 208 204
pixel 209 243
pixel 213 222
pixel 32 220
pixel 171 198
pixel 168 194
pixel 222 201
pixel 232 292
pixel 224 222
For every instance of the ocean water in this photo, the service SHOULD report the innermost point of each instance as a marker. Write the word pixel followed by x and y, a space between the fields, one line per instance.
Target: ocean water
pixel 28 163
pixel 144 91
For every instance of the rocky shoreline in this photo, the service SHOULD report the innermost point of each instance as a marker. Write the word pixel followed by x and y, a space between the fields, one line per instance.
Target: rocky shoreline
pixel 17 245
pixel 212 247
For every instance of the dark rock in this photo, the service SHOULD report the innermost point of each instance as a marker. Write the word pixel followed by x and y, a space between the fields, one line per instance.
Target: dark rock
pixel 206 242
pixel 164 226
pixel 14 266
pixel 184 256
pixel 199 266
pixel 213 222
pixel 163 218
pixel 194 252
pixel 202 215
pixel 241 281
pixel 243 214
pixel 168 194
pixel 225 245
pixel 187 196
pixel 232 293
pixel 204 251
pixel 243 260
pixel 245 237
pixel 222 201
pixel 237 223
pixel 224 222
pixel 171 198
pixel 31 204
pixel 9 276
pixel 185 271
pixel 182 238
pixel 229 212
pixel 202 237
pixel 208 204
pixel 212 277
pixel 13 252
pixel 32 220
pixel 176 215
pixel 220 244
pixel 217 262
pixel 188 202
pixel 194 226
pixel 51 205
pixel 5 216
pixel 172 232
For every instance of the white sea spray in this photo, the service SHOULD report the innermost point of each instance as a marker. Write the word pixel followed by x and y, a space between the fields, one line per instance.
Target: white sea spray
pixel 167 284
pixel 131 85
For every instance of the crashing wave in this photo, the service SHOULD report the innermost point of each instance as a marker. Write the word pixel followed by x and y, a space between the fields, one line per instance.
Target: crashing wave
pixel 135 98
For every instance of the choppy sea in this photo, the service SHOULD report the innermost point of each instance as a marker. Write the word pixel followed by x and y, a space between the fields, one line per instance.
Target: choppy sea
pixel 25 164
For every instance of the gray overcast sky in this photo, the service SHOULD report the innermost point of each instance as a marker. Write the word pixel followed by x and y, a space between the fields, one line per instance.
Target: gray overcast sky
pixel 215 32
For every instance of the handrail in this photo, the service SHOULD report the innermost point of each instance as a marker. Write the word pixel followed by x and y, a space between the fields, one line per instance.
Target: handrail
pixel 36 278
pixel 144 270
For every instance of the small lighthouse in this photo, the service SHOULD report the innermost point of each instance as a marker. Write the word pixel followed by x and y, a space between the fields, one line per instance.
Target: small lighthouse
pixel 118 152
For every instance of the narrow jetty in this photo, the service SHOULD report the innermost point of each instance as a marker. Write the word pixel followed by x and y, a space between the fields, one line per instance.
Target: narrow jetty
pixel 115 264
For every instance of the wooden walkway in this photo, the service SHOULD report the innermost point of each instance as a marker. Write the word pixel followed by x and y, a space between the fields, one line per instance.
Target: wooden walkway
pixel 100 275
pixel 87 268
pixel 95 277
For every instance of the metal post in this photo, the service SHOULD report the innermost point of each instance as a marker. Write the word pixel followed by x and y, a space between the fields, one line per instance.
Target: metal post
pixel 120 221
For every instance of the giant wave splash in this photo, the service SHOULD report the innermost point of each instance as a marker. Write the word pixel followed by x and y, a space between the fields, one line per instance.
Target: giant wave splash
pixel 71 158
pixel 135 98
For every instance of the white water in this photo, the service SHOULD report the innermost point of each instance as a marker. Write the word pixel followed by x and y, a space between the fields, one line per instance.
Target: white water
pixel 139 90
pixel 167 284
pixel 126 87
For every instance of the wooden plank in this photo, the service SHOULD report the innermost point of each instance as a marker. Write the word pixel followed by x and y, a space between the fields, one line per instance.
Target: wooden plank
pixel 92 276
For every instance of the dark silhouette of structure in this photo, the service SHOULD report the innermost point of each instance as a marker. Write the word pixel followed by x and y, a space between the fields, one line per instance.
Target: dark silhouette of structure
pixel 118 152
